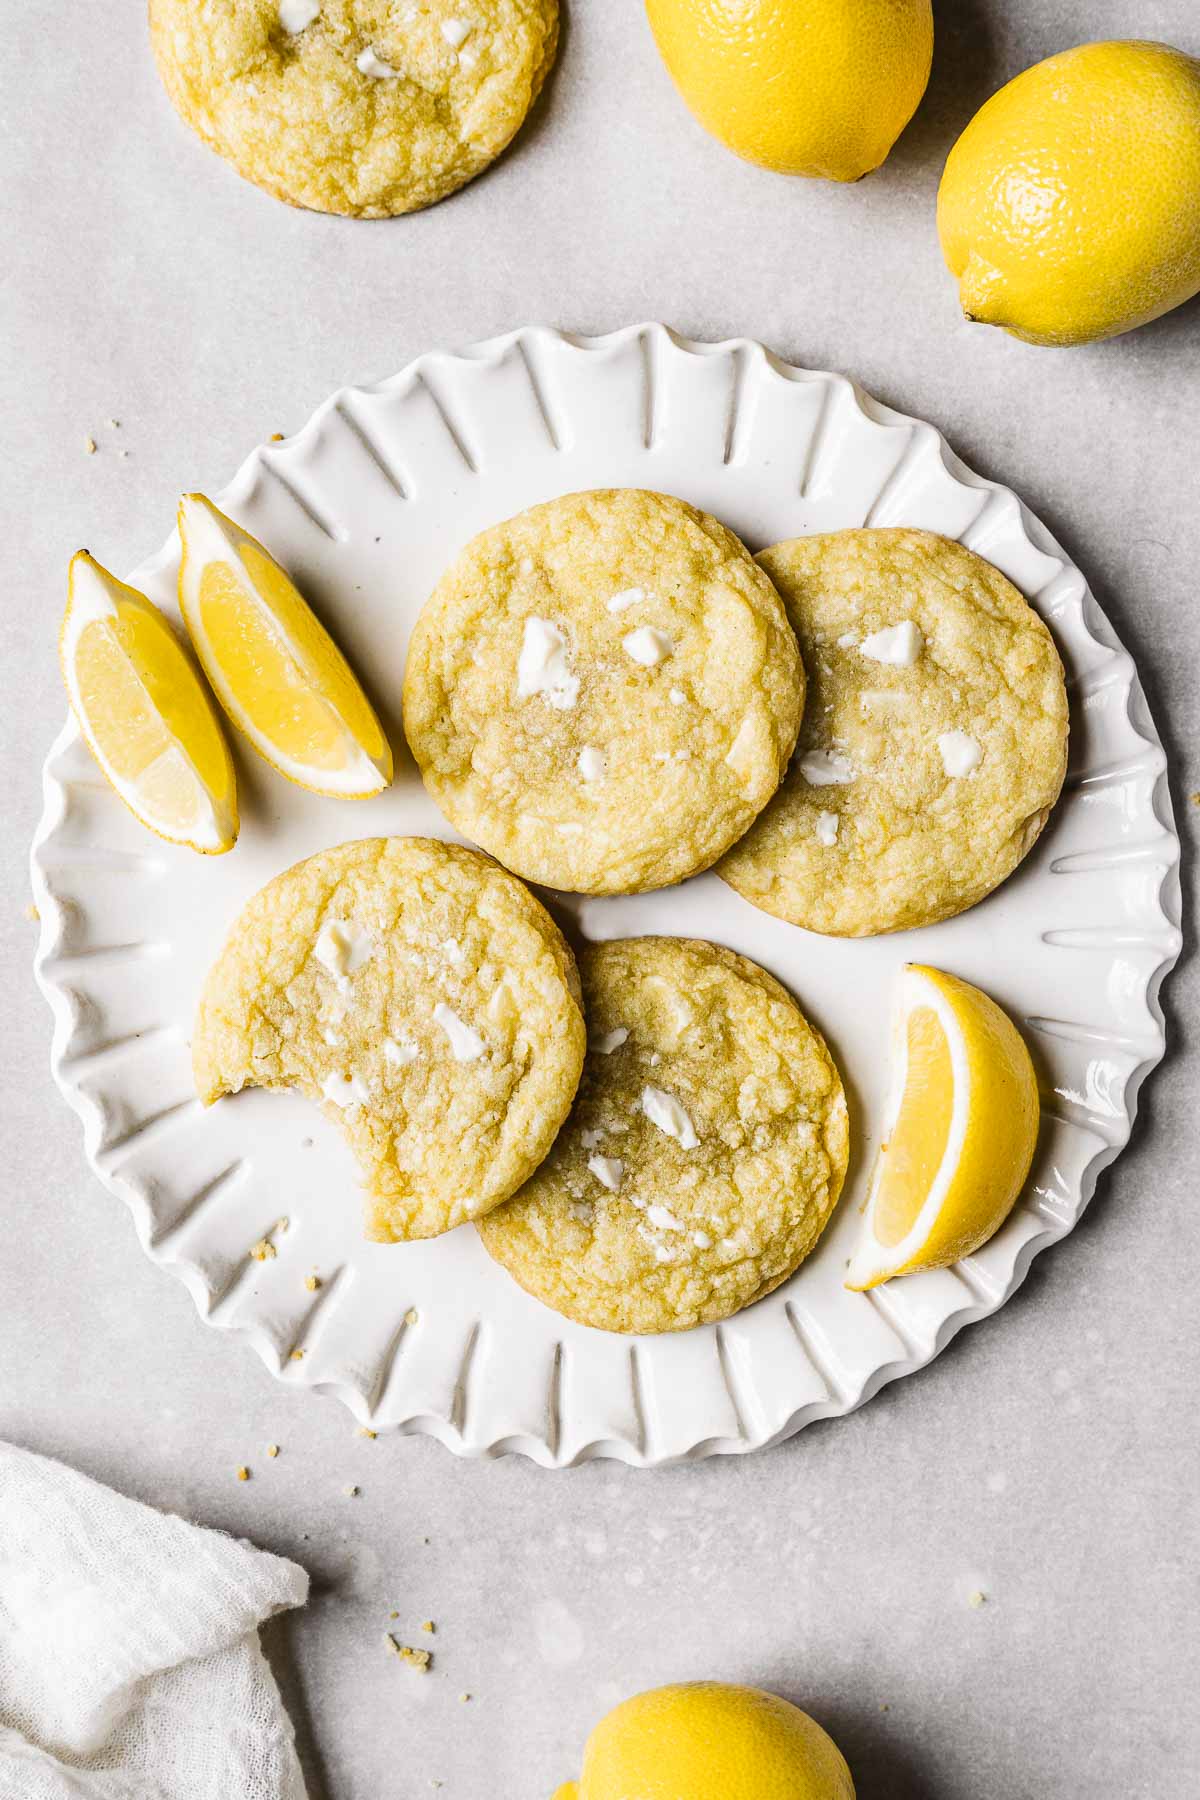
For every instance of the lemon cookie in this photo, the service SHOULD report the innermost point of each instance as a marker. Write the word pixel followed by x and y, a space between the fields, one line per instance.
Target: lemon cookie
pixel 603 691
pixel 369 107
pixel 704 1153
pixel 934 744
pixel 425 999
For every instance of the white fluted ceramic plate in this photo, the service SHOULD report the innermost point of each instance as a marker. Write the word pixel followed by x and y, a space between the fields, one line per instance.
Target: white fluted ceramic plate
pixel 366 506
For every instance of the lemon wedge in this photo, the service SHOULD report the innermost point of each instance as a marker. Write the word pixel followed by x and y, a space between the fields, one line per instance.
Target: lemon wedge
pixel 144 711
pixel 274 668
pixel 959 1135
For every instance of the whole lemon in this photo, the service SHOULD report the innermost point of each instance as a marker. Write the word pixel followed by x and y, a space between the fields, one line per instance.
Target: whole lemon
pixel 805 87
pixel 701 1741
pixel 1069 208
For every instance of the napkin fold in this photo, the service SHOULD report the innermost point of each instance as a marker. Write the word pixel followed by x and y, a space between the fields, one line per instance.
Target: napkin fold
pixel 130 1666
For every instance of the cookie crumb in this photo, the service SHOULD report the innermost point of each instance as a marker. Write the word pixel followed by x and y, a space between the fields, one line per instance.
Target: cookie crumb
pixel 122 452
pixel 411 1316
pixel 89 446
pixel 263 1251
pixel 312 1283
pixel 243 1473
pixel 464 1698
pixel 113 424
pixel 352 1493
pixel 272 1449
pixel 283 1224
pixel 31 912
pixel 416 1659
pixel 1196 799
pixel 365 1431
pixel 429 1626
pixel 393 1615
pixel 297 1356
pixel 977 1599
pixel 276 437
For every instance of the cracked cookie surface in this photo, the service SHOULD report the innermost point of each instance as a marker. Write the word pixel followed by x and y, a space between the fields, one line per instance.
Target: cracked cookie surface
pixel 705 1151
pixel 603 691
pixel 425 999
pixel 366 107
pixel 934 741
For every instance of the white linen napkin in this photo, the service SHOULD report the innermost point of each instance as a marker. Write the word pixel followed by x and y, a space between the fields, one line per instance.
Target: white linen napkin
pixel 130 1667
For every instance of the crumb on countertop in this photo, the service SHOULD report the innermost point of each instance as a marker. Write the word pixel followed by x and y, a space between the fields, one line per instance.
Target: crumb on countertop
pixel 283 1224
pixel 312 1283
pixel 89 446
pixel 113 424
pixel 263 1251
pixel 243 1473
pixel 977 1599
pixel 365 1431
pixel 429 1626
pixel 276 437
pixel 352 1492
pixel 31 912
pixel 411 1316
pixel 272 1449
pixel 416 1659
pixel 464 1698
pixel 297 1356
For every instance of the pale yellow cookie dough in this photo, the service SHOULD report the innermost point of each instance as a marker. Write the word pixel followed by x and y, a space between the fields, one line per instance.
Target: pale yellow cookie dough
pixel 934 741
pixel 425 999
pixel 703 1156
pixel 369 107
pixel 603 691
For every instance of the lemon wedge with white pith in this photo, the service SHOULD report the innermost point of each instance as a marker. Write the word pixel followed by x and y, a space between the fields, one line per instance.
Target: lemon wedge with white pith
pixel 959 1134
pixel 144 711
pixel 272 664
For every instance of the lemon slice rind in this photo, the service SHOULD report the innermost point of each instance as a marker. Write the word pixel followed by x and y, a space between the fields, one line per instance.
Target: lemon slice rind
pixel 94 597
pixel 208 538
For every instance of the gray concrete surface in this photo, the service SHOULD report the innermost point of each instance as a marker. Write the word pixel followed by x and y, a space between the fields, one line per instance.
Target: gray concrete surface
pixel 1050 1458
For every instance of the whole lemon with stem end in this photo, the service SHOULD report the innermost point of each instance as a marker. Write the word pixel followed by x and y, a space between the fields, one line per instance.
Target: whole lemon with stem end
pixel 1069 209
pixel 805 87
pixel 702 1740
